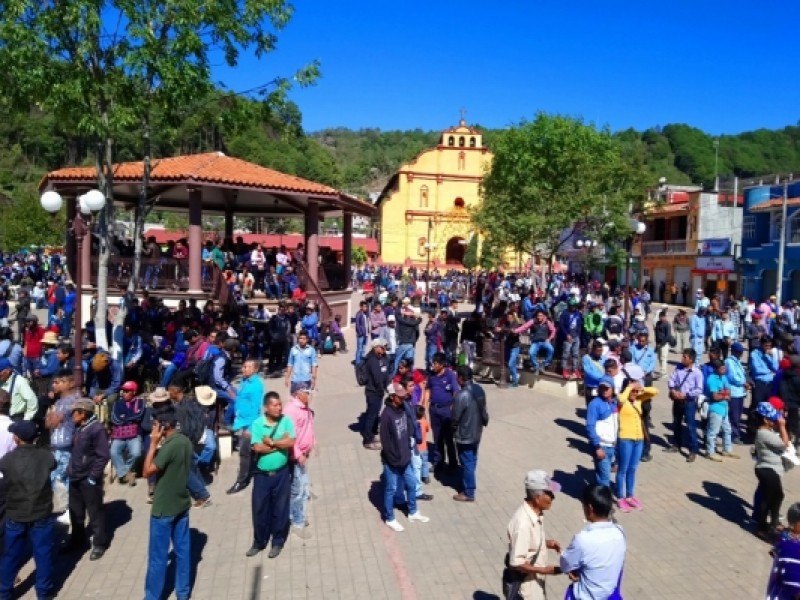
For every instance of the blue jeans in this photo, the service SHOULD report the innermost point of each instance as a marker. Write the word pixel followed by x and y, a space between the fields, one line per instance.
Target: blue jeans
pixel 468 457
pixel 513 358
pixel 602 468
pixel 361 342
pixel 416 463
pixel 207 453
pixel 392 478
pixel 122 462
pixel 570 355
pixel 301 492
pixel 403 351
pixel 30 365
pixel 195 484
pixel 430 350
pixel 41 534
pixel 425 468
pixel 60 472
pixel 534 353
pixel 630 453
pixel 686 409
pixel 162 530
pixel 715 423
pixel 168 373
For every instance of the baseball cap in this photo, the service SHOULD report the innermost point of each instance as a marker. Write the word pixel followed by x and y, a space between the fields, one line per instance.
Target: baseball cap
pixel 607 381
pixel 776 403
pixel 24 430
pixel 737 347
pixel 391 319
pixel 130 386
pixel 538 480
pixel 83 404
pixel 5 364
pixel 397 390
pixel 635 373
pixel 766 410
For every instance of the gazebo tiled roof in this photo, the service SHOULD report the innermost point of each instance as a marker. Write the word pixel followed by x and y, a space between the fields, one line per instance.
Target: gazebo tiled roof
pixel 211 167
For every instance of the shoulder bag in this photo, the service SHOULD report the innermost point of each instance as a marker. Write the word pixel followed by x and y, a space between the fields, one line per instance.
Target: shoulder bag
pixel 513 579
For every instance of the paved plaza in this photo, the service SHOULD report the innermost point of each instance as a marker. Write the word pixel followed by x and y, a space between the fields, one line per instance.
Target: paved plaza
pixel 690 541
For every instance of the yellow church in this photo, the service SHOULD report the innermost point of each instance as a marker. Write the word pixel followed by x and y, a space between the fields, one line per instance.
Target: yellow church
pixel 424 206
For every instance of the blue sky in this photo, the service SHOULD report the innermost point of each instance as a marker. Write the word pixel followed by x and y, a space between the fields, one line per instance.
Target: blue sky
pixel 724 67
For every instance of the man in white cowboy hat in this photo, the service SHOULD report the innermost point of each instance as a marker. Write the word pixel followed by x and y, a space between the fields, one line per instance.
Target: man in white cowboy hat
pixel 49 364
pixel 206 397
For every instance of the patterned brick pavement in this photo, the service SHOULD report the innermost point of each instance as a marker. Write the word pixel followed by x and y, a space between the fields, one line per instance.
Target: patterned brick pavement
pixel 688 542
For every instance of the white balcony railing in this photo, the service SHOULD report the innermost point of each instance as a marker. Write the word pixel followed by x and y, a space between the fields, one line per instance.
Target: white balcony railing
pixel 666 247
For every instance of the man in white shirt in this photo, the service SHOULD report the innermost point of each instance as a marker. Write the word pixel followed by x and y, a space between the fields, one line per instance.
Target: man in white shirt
pixel 7 443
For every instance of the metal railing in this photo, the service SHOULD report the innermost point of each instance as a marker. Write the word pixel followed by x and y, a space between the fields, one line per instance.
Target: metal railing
pixel 666 247
pixel 160 274
pixel 313 291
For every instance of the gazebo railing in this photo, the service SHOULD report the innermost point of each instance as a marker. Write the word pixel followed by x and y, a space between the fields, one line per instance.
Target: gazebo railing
pixel 155 274
pixel 314 292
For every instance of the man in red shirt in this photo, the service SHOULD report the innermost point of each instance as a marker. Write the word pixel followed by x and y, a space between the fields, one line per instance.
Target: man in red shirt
pixel 33 345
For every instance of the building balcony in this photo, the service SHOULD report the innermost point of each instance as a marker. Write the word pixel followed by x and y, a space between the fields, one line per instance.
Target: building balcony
pixel 667 247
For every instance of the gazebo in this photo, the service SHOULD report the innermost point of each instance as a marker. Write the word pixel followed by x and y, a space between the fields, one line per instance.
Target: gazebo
pixel 213 183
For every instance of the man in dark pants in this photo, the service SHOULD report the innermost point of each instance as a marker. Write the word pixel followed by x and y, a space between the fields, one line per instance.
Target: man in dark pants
pixel 273 437
pixel 280 328
pixel 247 408
pixel 442 386
pixel 26 476
pixel 378 377
pixel 90 455
pixel 469 419
pixel 685 385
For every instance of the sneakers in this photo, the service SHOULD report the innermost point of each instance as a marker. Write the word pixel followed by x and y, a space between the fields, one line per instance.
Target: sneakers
pixel 624 506
pixel 565 374
pixel 691 457
pixel 715 457
pixel 395 526
pixel 372 446
pixel 64 518
pixel 130 478
pixel 730 455
pixel 417 516
pixel 634 504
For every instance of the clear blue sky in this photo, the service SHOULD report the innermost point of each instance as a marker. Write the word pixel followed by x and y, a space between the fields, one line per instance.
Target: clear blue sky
pixel 722 66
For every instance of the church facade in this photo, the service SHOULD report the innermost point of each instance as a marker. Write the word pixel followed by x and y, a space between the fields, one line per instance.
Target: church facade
pixel 424 207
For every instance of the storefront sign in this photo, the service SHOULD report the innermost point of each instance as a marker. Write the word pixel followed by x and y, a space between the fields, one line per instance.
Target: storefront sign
pixel 715 263
pixel 715 247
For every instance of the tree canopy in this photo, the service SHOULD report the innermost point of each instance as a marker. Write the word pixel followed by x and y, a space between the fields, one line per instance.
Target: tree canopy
pixel 551 174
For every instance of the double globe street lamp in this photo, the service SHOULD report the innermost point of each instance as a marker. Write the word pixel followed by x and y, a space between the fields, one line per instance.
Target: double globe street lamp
pixel 88 204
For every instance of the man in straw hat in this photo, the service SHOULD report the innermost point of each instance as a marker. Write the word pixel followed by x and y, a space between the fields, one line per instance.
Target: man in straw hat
pixel 89 458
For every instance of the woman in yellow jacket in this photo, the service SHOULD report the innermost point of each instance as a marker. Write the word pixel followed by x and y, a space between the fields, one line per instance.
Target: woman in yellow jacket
pixel 630 441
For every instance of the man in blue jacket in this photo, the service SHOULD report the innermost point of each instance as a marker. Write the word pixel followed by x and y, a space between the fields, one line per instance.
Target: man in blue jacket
pixel 570 326
pixel 602 424
pixel 763 366
pixel 697 332
pixel 247 407
pixel 739 387
pixel 593 371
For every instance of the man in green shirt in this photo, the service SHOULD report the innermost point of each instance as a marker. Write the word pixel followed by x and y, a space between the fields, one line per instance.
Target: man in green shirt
pixel 169 518
pixel 272 437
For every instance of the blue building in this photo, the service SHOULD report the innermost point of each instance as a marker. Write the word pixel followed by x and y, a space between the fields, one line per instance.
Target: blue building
pixel 761 233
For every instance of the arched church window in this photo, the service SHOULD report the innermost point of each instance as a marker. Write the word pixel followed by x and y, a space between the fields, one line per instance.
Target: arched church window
pixel 451 141
pixel 461 142
pixel 472 142
pixel 423 196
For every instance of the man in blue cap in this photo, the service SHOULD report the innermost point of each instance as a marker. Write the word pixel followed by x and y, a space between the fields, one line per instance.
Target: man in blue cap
pixel 739 386
pixel 602 425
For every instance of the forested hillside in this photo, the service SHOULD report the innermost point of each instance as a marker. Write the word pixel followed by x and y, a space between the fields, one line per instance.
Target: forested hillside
pixel 358 162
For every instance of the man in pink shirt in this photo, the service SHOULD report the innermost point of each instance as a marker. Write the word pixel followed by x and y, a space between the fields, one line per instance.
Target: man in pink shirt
pixel 303 418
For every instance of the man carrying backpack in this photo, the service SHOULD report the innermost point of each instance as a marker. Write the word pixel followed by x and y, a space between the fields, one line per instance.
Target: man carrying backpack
pixel 191 417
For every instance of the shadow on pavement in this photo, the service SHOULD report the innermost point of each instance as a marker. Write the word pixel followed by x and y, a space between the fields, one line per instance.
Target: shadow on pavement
pixel 480 595
pixel 198 541
pixel 723 502
pixel 573 484
pixel 118 512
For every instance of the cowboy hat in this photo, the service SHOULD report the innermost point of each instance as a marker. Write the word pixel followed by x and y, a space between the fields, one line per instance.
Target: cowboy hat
pixel 159 395
pixel 50 338
pixel 205 395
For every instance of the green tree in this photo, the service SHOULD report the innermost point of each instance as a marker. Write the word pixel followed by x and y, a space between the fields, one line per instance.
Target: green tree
pixel 359 255
pixel 471 253
pixel 103 68
pixel 553 175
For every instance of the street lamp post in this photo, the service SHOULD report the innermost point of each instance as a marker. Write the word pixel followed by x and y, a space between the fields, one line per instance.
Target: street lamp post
pixel 637 229
pixel 428 265
pixel 89 203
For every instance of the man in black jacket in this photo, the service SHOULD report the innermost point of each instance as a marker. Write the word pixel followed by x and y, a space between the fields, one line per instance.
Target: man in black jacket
pixel 397 435
pixel 469 419
pixel 378 377
pixel 29 507
pixel 663 332
pixel 407 336
pixel 280 329
pixel 90 455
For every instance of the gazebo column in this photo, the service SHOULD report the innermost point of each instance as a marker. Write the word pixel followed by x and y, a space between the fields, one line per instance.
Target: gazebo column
pixel 195 239
pixel 312 241
pixel 347 246
pixel 229 221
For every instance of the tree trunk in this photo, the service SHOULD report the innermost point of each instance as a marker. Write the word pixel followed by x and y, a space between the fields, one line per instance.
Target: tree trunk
pixel 140 214
pixel 105 180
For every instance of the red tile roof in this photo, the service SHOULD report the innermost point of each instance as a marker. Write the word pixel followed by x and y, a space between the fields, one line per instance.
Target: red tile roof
pixel 667 208
pixel 335 243
pixel 210 168
pixel 774 203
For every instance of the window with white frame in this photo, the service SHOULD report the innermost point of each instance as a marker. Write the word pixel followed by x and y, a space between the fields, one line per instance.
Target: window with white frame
pixel 793 228
pixel 749 227
pixel 775 225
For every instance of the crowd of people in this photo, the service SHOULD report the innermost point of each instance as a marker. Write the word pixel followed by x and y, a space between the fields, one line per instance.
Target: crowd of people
pixel 156 409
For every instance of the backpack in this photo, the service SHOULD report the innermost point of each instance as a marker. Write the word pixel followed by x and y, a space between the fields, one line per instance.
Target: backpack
pixel 328 346
pixel 361 373
pixel 193 425
pixel 204 370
